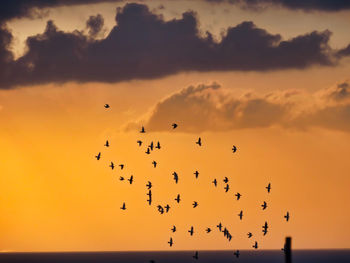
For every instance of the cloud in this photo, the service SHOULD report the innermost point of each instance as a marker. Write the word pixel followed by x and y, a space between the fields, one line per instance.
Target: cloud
pixel 144 46
pixel 95 24
pixel 305 5
pixel 212 108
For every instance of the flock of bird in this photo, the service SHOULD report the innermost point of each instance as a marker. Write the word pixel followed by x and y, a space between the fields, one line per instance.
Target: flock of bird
pixel 165 209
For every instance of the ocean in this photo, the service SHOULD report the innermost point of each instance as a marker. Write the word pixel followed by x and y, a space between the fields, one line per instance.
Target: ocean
pixel 246 256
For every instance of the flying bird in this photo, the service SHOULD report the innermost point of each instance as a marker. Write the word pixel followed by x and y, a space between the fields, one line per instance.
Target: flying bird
pixel 106 106
pixel 208 230
pixel 171 242
pixel 238 195
pixel 107 144
pixel 142 130
pixel 121 166
pixel 173 229
pixel 160 209
pixel 255 245
pixel 227 187
pixel 265 227
pixel 121 178
pixel 167 207
pixel 139 142
pixel 112 165
pixel 234 148
pixel 195 204
pixel 236 254
pixel 249 234
pixel 123 207
pixel 268 188
pixel 176 177
pixel 149 200
pixel 151 146
pixel 154 164
pixel 196 255
pixel 196 173
pixel 225 180
pixel 158 146
pixel 264 205
pixel 215 182
pixel 191 231
pixel 199 141
pixel 287 216
pixel 177 199
pixel 147 152
pixel 219 226
pixel 149 185
pixel 240 215
pixel 98 156
pixel 131 179
pixel 174 125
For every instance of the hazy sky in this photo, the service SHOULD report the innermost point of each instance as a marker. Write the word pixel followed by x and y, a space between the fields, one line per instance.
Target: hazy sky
pixel 271 78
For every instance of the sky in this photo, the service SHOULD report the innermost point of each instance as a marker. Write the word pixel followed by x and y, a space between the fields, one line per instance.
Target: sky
pixel 271 77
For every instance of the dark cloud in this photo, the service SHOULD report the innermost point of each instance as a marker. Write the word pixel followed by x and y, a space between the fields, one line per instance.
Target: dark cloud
pixel 95 24
pixel 143 45
pixel 306 5
pixel 211 108
pixel 344 52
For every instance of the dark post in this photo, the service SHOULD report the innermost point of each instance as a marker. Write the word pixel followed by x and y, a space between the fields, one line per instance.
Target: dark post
pixel 288 250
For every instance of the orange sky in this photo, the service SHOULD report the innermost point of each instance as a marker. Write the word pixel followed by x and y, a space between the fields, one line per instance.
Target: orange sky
pixel 55 196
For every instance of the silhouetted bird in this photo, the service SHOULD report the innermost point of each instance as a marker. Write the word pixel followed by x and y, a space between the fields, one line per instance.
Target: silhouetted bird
pixel 171 242
pixel 160 209
pixel 265 227
pixel 191 231
pixel 219 226
pixel 121 178
pixel 112 165
pixel 240 215
pixel 215 182
pixel 199 142
pixel 121 166
pixel 177 199
pixel 173 229
pixel 149 185
pixel 234 149
pixel 255 245
pixel 227 187
pixel 123 207
pixel 196 255
pixel 195 204
pixel 158 145
pixel 142 130
pixel 107 144
pixel 174 125
pixel 196 173
pixel 264 205
pixel 149 200
pixel 147 152
pixel 154 164
pixel 131 179
pixel 106 106
pixel 139 142
pixel 98 156
pixel 151 146
pixel 268 188
pixel 176 177
pixel 249 234
pixel 238 195
pixel 167 207
pixel 225 180
pixel 208 230
pixel 287 216
pixel 236 254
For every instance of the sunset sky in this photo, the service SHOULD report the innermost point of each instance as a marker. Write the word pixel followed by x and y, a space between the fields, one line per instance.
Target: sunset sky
pixel 271 77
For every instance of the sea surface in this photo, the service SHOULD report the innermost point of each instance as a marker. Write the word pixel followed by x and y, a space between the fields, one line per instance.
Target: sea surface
pixel 246 256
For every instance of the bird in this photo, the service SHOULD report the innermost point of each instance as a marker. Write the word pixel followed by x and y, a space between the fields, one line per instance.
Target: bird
pixel 176 177
pixel 107 144
pixel 173 229
pixel 131 179
pixel 234 148
pixel 255 245
pixel 177 199
pixel 208 230
pixel 225 180
pixel 287 216
pixel 196 255
pixel 98 156
pixel 191 231
pixel 139 142
pixel 142 130
pixel 264 205
pixel 121 178
pixel 219 226
pixel 236 254
pixel 174 125
pixel 215 182
pixel 199 141
pixel 167 207
pixel 154 164
pixel 227 187
pixel 240 215
pixel 196 173
pixel 158 146
pixel 112 165
pixel 195 204
pixel 238 195
pixel 147 152
pixel 121 166
pixel 265 227
pixel 171 242
pixel 149 200
pixel 123 207
pixel 249 234
pixel 160 209
pixel 151 146
pixel 149 185
pixel 106 106
pixel 268 187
